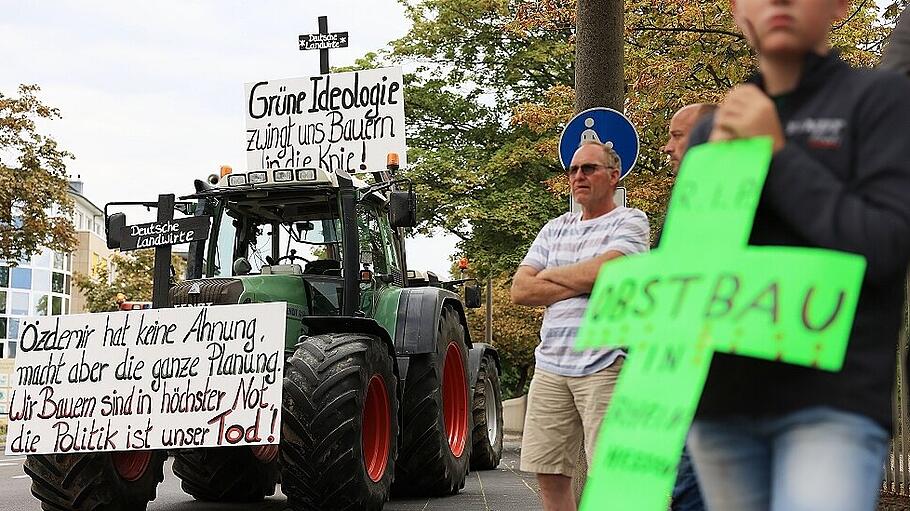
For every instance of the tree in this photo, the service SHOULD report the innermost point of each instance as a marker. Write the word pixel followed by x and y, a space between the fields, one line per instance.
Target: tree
pixel 516 332
pixel 493 86
pixel 676 53
pixel 34 202
pixel 132 276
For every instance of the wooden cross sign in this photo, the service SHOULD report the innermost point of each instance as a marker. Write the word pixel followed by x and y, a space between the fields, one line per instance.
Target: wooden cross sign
pixel 705 290
pixel 323 41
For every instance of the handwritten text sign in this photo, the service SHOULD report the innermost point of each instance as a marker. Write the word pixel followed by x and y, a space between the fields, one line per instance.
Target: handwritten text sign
pixel 704 290
pixel 150 379
pixel 342 121
pixel 171 232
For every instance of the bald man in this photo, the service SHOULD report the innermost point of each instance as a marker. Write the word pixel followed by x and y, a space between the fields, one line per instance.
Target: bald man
pixel 680 126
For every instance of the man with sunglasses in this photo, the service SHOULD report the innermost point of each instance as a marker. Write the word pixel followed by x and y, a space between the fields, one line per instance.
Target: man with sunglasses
pixel 570 389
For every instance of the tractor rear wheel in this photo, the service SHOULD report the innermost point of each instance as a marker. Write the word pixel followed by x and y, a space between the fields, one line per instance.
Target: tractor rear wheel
pixel 228 474
pixel 487 435
pixel 436 411
pixel 108 481
pixel 339 423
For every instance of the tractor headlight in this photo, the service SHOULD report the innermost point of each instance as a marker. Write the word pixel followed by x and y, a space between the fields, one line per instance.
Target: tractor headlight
pixel 258 178
pixel 283 176
pixel 236 179
pixel 306 174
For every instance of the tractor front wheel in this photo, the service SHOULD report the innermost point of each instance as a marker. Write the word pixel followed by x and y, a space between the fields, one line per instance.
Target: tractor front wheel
pixel 108 481
pixel 339 423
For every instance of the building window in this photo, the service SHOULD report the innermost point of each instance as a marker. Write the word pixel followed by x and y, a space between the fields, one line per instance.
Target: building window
pixel 18 304
pixel 12 349
pixel 56 306
pixel 13 328
pixel 3 328
pixel 21 278
pixel 57 282
pixel 41 305
pixel 2 302
pixel 41 280
pixel 58 260
pixel 4 276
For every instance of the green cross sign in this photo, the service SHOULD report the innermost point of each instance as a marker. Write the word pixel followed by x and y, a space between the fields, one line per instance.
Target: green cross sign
pixel 704 290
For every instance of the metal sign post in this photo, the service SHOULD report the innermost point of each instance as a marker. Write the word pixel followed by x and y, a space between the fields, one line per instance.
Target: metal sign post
pixel 161 282
pixel 161 235
pixel 323 41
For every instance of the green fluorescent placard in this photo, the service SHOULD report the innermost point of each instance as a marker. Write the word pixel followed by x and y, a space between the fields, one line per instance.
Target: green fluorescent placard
pixel 704 290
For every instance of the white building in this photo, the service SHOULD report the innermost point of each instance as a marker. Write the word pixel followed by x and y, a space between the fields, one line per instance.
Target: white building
pixel 43 285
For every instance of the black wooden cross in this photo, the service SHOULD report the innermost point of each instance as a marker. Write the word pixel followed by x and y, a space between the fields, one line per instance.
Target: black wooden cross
pixel 324 41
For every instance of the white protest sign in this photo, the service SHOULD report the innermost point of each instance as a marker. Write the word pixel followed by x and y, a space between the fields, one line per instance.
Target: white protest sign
pixel 342 121
pixel 148 379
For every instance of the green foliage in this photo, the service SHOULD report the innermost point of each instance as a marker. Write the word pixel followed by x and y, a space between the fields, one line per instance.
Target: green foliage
pixel 477 175
pixel 34 202
pixel 132 276
pixel 516 332
pixel 492 90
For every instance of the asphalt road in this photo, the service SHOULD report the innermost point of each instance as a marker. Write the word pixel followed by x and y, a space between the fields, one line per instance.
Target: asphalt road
pixel 504 489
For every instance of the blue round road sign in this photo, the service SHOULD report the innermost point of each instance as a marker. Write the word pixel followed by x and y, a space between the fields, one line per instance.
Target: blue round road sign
pixel 606 126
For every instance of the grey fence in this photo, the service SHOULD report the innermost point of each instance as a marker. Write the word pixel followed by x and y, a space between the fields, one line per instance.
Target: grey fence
pixel 897 465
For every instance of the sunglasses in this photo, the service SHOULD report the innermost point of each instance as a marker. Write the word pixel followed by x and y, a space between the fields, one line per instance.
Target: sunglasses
pixel 586 168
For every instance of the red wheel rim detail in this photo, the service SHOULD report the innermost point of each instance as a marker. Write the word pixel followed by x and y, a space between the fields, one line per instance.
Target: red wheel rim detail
pixel 265 453
pixel 455 400
pixel 131 465
pixel 376 429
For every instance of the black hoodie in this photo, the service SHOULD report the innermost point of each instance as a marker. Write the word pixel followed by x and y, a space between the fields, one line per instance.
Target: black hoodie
pixel 841 182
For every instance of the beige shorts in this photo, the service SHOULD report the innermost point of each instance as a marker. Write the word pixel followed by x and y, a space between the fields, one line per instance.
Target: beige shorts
pixel 561 411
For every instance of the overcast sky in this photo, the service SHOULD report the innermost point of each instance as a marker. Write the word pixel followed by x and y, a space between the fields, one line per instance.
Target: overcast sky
pixel 151 93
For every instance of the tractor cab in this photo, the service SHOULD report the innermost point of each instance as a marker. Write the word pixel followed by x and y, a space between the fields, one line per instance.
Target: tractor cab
pixel 326 243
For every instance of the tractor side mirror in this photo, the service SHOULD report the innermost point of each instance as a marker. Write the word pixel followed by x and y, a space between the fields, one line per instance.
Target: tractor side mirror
pixel 113 226
pixel 403 209
pixel 472 299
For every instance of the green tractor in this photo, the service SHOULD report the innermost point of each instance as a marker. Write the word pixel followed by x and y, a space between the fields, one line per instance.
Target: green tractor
pixel 384 391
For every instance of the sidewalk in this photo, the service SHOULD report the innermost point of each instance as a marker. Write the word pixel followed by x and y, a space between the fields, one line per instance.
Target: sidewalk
pixel 503 489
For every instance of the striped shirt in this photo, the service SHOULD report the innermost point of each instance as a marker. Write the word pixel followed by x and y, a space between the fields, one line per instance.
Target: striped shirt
pixel 568 240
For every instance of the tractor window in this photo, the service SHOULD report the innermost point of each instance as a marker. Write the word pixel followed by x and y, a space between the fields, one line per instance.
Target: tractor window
pixel 371 237
pixel 391 250
pixel 301 242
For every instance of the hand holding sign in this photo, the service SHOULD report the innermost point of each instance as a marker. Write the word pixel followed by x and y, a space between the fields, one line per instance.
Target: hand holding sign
pixel 704 290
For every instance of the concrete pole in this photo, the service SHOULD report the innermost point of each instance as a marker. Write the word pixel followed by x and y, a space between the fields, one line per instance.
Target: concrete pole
pixel 599 82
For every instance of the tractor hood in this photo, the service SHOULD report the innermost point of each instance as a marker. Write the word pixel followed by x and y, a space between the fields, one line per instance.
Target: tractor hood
pixel 205 292
pixel 305 295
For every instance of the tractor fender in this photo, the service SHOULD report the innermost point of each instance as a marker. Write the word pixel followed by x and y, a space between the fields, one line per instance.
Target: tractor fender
pixel 317 325
pixel 417 325
pixel 475 355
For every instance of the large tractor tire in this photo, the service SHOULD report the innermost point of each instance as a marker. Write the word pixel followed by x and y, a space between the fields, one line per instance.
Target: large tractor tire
pixel 109 481
pixel 436 411
pixel 487 435
pixel 228 474
pixel 340 424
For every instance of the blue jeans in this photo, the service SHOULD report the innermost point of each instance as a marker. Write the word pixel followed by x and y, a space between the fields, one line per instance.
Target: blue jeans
pixel 817 459
pixel 686 493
